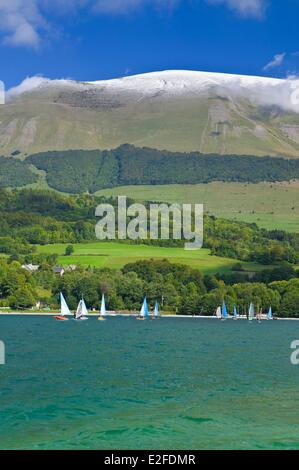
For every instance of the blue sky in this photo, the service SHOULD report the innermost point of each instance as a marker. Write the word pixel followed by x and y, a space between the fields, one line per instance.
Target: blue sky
pixel 101 39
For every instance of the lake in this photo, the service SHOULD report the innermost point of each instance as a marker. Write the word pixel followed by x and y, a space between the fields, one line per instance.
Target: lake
pixel 175 383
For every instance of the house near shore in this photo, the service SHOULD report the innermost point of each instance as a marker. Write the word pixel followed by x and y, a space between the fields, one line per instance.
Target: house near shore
pixel 71 267
pixel 59 270
pixel 30 267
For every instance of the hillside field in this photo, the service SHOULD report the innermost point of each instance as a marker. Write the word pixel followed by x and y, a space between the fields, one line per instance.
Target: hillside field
pixel 116 255
pixel 269 205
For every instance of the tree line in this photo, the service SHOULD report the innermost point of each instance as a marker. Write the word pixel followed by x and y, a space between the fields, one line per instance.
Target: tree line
pixel 177 288
pixel 79 171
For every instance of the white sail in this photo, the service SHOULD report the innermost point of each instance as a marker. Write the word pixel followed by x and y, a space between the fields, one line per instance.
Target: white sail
pixel 218 312
pixel 64 309
pixel 251 312
pixel 103 306
pixel 82 312
pixel 79 313
pixel 156 310
pixel 84 309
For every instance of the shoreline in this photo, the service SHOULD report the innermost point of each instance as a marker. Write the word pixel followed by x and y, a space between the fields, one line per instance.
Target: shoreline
pixel 127 315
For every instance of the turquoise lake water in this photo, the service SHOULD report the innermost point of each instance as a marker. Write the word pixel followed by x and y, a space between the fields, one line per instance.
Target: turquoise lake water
pixel 167 384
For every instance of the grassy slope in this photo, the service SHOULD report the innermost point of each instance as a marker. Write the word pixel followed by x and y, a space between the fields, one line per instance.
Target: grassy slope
pixel 269 205
pixel 116 255
pixel 34 124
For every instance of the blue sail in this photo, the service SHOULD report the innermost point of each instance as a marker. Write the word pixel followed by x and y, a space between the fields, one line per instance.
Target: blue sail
pixel 270 315
pixel 235 312
pixel 224 310
pixel 144 309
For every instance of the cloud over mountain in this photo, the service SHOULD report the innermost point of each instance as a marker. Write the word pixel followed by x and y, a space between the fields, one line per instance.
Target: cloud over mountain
pixel 262 91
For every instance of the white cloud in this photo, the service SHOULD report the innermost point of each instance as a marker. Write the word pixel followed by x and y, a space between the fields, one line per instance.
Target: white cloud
pixel 254 8
pixel 29 84
pixel 20 22
pixel 277 60
pixel 23 22
pixel 246 8
pixel 24 34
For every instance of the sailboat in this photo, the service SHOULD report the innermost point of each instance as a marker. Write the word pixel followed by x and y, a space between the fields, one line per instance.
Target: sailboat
pixel 103 309
pixel 218 312
pixel 235 317
pixel 144 310
pixel 224 314
pixel 259 315
pixel 156 314
pixel 270 315
pixel 64 309
pixel 251 312
pixel 82 312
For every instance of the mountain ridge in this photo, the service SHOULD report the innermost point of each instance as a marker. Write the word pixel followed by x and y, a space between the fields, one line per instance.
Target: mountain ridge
pixel 172 110
pixel 175 79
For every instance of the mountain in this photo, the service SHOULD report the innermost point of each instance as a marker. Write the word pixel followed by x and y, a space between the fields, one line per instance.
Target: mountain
pixel 172 110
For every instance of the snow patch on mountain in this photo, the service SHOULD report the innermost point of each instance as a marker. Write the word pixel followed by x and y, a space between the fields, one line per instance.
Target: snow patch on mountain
pixel 283 93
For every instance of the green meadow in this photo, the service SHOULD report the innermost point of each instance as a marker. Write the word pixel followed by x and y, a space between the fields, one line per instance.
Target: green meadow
pixel 116 255
pixel 269 205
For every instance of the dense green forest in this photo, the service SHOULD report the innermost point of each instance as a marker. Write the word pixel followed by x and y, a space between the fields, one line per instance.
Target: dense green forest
pixel 78 171
pixel 149 166
pixel 31 217
pixel 15 173
pixel 178 289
